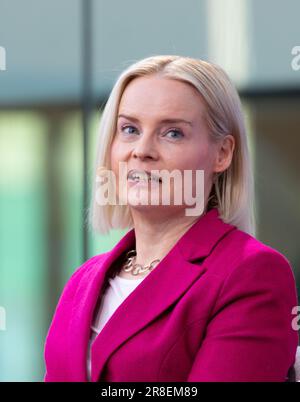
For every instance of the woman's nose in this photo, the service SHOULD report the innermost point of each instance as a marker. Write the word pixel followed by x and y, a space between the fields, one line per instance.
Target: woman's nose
pixel 145 148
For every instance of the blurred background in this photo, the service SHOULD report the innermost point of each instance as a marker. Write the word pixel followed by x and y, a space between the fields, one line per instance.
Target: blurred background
pixel 58 62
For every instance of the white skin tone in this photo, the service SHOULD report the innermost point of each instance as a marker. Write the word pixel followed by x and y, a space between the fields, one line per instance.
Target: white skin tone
pixel 149 144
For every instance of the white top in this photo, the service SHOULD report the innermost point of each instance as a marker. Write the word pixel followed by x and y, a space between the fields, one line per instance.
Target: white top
pixel 114 295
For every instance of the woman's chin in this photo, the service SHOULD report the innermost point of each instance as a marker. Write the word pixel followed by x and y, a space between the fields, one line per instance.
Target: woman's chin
pixel 148 196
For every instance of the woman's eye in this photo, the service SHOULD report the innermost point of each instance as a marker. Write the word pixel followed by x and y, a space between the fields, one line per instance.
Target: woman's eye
pixel 132 130
pixel 177 132
pixel 128 132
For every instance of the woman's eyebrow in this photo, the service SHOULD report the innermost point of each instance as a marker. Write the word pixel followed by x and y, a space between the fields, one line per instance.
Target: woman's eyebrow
pixel 173 120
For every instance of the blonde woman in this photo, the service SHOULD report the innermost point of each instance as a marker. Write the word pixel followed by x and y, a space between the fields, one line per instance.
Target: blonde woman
pixel 189 293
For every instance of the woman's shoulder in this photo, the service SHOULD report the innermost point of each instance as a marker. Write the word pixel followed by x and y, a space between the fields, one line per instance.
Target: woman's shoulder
pixel 87 265
pixel 71 284
pixel 252 247
pixel 240 250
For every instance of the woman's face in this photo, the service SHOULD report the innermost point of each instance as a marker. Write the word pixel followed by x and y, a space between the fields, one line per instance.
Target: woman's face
pixel 161 126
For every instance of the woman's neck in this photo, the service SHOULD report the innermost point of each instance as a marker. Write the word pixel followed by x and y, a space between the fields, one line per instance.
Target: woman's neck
pixel 155 238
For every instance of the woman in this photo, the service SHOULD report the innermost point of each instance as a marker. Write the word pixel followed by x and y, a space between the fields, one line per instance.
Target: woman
pixel 187 294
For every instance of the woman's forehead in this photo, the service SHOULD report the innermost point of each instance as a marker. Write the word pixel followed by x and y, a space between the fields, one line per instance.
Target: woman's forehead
pixel 171 98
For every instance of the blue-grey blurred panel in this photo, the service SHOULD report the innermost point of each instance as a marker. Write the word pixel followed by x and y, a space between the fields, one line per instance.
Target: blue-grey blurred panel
pixel 42 43
pixel 275 31
pixel 251 39
pixel 126 31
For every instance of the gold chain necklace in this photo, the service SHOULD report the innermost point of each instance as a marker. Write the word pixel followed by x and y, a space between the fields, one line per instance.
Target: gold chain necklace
pixel 134 268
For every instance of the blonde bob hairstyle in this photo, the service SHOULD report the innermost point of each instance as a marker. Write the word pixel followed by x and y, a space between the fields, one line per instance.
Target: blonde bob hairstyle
pixel 232 191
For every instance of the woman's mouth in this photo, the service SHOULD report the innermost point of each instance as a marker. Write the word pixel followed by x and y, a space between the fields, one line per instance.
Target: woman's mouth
pixel 142 177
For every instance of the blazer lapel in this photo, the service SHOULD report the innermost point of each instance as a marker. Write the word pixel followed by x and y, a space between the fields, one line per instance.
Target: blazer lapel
pixel 165 284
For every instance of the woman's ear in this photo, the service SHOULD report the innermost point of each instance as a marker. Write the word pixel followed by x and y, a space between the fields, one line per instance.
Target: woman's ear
pixel 225 150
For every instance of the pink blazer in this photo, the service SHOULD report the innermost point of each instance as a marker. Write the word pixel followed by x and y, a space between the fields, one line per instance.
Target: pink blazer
pixel 218 307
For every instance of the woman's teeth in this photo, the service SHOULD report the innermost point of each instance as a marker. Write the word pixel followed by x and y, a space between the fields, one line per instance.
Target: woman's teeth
pixel 136 177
